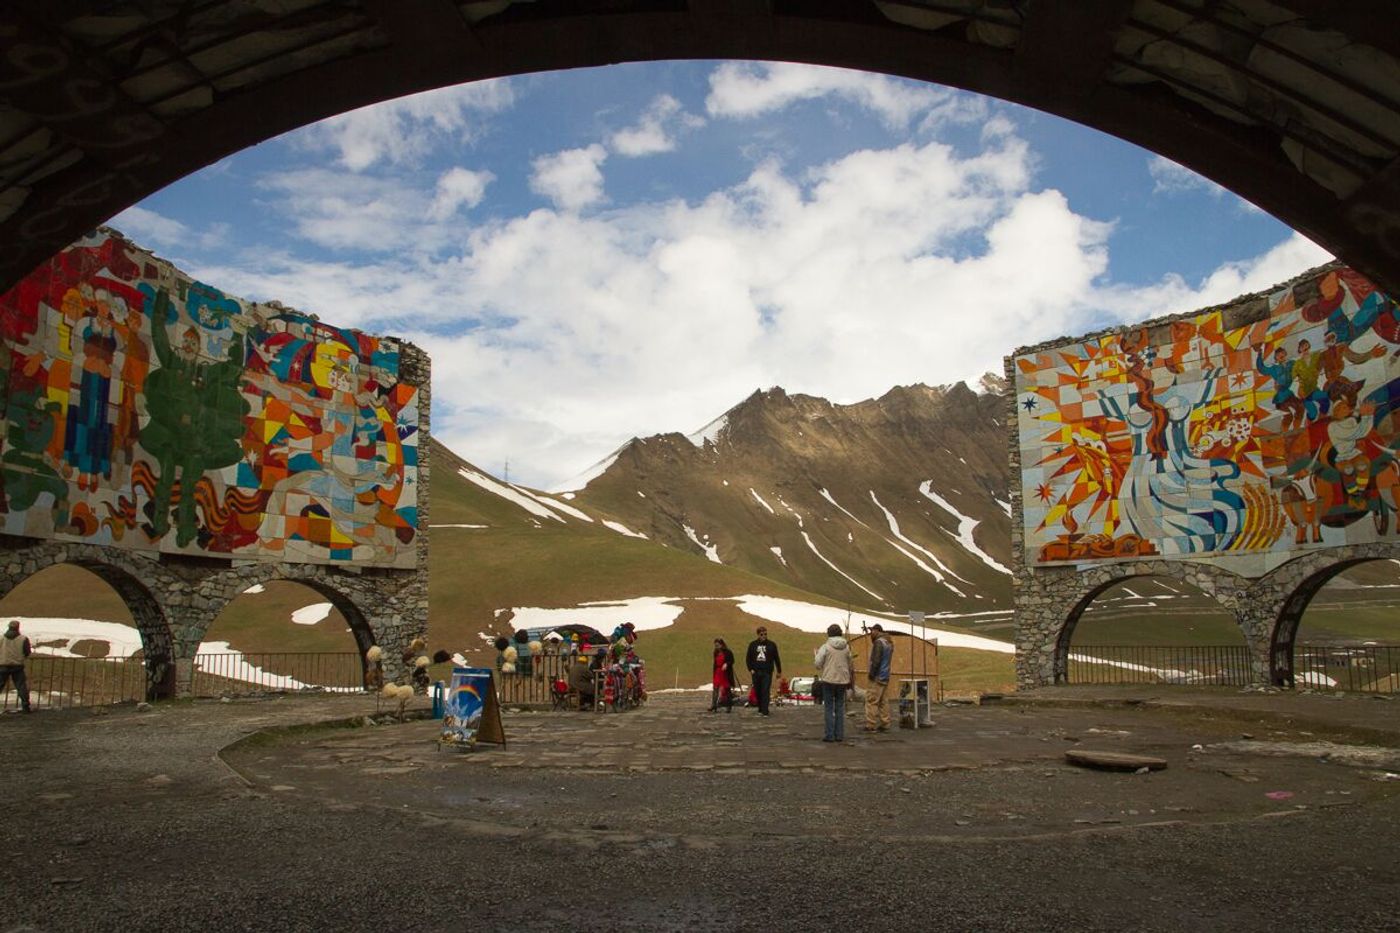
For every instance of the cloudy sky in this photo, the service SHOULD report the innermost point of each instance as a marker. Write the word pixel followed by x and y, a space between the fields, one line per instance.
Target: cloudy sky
pixel 600 254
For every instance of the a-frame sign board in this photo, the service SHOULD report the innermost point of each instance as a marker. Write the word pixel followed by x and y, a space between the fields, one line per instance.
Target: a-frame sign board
pixel 472 712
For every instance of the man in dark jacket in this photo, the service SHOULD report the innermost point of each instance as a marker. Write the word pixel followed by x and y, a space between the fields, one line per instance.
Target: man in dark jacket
pixel 762 660
pixel 877 698
pixel 14 649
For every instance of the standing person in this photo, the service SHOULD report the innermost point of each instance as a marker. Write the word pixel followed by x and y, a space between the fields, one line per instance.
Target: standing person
pixel 762 660
pixel 722 684
pixel 14 649
pixel 877 691
pixel 834 671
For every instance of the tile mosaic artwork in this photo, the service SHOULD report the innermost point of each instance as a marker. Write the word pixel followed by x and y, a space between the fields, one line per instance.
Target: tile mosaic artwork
pixel 1196 439
pixel 146 410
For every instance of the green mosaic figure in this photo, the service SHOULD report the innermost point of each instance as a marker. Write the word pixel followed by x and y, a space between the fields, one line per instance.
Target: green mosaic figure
pixel 28 431
pixel 196 414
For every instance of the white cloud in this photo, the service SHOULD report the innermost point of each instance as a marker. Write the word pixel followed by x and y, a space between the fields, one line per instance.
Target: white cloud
pixel 404 130
pixel 156 230
pixel 1173 295
pixel 654 131
pixel 457 188
pixel 370 213
pixel 747 89
pixel 572 179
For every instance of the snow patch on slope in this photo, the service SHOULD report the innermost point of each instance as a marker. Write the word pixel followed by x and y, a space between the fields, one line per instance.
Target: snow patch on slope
pixel 894 530
pixel 761 502
pixel 965 528
pixel 122 640
pixel 711 550
pixel 590 474
pixel 710 433
pixel 778 552
pixel 554 504
pixel 310 615
pixel 509 493
pixel 644 612
pixel 623 529
pixel 808 538
pixel 828 497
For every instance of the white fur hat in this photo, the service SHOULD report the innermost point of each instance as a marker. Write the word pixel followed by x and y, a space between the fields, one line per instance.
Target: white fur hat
pixel 374 653
pixel 423 661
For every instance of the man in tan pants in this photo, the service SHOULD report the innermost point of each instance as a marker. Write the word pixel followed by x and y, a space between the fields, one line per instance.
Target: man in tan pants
pixel 877 688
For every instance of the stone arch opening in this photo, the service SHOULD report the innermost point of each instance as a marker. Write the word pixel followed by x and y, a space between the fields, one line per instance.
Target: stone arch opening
pixel 1132 618
pixel 1340 641
pixel 124 605
pixel 284 632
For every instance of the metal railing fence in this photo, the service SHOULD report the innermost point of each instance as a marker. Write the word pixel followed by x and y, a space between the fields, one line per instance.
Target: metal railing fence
pixel 1220 665
pixel 533 687
pixel 1353 669
pixel 235 673
pixel 65 683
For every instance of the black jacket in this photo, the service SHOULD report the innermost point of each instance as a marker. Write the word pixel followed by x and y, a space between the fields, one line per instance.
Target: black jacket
pixel 763 656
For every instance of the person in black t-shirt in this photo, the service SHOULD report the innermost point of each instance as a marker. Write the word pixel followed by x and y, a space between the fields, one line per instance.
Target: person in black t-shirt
pixel 762 660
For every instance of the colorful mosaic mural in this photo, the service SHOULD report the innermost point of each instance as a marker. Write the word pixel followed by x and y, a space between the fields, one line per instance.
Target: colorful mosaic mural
pixel 1241 434
pixel 146 410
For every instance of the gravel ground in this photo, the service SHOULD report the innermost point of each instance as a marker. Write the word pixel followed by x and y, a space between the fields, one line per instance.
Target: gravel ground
pixel 132 821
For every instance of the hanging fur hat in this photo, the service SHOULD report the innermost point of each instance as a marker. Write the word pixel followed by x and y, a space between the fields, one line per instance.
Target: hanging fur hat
pixel 422 662
pixel 417 645
pixel 390 692
pixel 374 654
pixel 441 657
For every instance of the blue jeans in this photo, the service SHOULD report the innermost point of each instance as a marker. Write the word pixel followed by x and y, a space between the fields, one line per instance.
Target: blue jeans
pixel 834 710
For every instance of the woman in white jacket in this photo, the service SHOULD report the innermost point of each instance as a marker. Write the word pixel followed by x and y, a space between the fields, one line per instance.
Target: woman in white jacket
pixel 834 672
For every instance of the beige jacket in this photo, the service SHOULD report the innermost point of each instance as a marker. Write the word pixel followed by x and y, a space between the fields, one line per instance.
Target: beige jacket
pixel 834 661
pixel 12 650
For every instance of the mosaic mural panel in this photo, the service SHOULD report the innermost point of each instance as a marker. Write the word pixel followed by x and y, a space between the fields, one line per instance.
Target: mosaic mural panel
pixel 1242 435
pixel 146 410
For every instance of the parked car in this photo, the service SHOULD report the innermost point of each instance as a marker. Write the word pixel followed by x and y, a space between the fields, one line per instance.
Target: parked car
pixel 800 689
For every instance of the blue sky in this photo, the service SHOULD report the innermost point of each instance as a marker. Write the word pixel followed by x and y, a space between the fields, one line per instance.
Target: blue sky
pixel 597 254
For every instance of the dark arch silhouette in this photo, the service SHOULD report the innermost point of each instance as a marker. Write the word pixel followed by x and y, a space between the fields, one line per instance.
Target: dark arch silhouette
pixel 1285 635
pixel 104 110
pixel 1076 613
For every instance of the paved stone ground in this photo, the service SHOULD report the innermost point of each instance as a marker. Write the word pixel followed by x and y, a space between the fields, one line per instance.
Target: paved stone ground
pixel 189 816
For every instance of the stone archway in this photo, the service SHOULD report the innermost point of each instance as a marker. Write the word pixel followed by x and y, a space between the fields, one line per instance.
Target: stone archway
pixel 1052 600
pixel 1293 106
pixel 381 608
pixel 137 582
pixel 1281 597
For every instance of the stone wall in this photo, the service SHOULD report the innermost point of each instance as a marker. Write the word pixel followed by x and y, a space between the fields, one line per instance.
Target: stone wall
pixel 1297 518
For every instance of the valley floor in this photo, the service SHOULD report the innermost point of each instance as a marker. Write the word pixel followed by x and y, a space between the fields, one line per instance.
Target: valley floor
pixel 186 816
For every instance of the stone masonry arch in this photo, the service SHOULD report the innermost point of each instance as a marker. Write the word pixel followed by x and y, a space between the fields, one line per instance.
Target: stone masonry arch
pixel 1045 626
pixel 1278 600
pixel 1291 104
pixel 382 608
pixel 148 587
